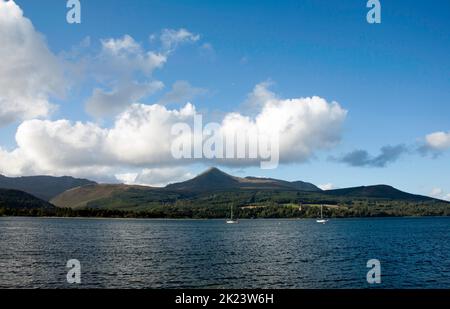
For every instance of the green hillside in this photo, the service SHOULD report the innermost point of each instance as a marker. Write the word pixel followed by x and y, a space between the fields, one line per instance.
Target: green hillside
pixel 14 199
pixel 88 196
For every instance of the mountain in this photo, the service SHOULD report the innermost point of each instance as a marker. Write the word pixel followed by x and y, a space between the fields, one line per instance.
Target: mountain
pixel 14 199
pixel 43 187
pixel 212 179
pixel 210 194
pixel 216 180
pixel 270 183
pixel 80 197
pixel 378 191
pixel 211 182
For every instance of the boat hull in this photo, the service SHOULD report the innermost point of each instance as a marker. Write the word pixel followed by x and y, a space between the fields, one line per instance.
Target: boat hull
pixel 232 222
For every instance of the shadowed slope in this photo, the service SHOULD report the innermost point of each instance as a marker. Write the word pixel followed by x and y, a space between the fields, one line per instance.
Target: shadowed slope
pixel 14 199
pixel 43 187
pixel 378 191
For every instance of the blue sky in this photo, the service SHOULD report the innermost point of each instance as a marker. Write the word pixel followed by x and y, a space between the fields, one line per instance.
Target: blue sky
pixel 393 78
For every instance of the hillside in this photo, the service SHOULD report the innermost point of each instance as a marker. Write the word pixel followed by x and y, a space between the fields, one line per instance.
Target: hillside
pixel 43 187
pixel 210 194
pixel 80 197
pixel 379 192
pixel 276 184
pixel 14 199
pixel 213 182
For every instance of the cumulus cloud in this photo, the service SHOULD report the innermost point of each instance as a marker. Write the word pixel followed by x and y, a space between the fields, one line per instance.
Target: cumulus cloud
pixel 141 137
pixel 156 177
pixel 436 192
pixel 29 73
pixel 108 103
pixel 123 62
pixel 171 38
pixel 118 67
pixel 127 57
pixel 327 186
pixel 304 125
pixel 440 194
pixel 260 95
pixel 436 143
pixel 121 71
pixel 359 158
pixel 181 92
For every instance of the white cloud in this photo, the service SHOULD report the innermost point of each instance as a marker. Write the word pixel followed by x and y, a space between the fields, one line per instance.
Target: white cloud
pixel 439 193
pixel 127 178
pixel 29 73
pixel 120 72
pixel 436 192
pixel 305 124
pixel 126 56
pixel 14 163
pixel 181 92
pixel 141 138
pixel 123 62
pixel 171 38
pixel 103 103
pixel 142 134
pixel 125 45
pixel 156 177
pixel 327 186
pixel 438 141
pixel 260 95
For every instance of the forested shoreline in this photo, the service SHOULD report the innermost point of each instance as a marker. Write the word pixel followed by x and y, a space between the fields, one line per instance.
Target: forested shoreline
pixel 271 211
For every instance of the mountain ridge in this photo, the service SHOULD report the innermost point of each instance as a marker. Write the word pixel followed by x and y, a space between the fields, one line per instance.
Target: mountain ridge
pixel 215 187
pixel 43 187
pixel 214 179
pixel 377 191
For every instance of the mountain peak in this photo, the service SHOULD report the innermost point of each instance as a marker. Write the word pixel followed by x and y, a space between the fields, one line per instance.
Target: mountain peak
pixel 211 179
pixel 215 171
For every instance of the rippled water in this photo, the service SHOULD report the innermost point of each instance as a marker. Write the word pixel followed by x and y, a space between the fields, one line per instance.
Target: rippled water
pixel 128 253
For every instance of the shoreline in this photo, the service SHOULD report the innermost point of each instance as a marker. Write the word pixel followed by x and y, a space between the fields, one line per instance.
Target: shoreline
pixel 222 219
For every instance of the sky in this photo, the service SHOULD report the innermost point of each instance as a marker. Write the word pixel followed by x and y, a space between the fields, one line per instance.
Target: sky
pixel 356 103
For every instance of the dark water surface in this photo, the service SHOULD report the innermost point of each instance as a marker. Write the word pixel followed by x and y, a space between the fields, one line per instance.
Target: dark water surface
pixel 129 253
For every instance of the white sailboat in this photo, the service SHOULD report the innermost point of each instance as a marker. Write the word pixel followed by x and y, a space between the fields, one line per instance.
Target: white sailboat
pixel 231 220
pixel 321 220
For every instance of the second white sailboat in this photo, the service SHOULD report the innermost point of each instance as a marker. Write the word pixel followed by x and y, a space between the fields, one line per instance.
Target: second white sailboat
pixel 231 220
pixel 321 220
